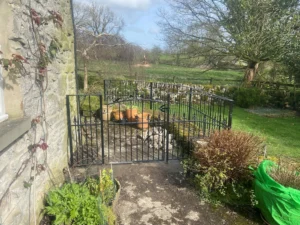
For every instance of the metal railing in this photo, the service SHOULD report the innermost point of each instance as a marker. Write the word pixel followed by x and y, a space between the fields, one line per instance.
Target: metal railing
pixel 168 117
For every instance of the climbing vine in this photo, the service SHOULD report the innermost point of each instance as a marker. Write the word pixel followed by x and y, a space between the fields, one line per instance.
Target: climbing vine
pixel 42 57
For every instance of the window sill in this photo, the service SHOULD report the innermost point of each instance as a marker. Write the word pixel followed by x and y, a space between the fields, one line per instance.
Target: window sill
pixel 11 130
pixel 3 117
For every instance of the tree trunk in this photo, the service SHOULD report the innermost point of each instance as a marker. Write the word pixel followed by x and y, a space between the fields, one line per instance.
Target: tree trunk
pixel 85 83
pixel 251 71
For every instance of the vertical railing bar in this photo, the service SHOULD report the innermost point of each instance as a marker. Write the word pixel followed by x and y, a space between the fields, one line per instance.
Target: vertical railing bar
pixel 153 121
pixel 76 141
pixel 108 136
pixel 91 128
pixel 176 137
pixel 184 121
pixel 190 104
pixel 120 131
pixel 200 117
pixel 69 129
pixel 168 122
pixel 158 143
pixel 102 131
pixel 142 129
pixel 173 122
pixel 220 112
pixel 151 94
pixel 224 109
pixel 148 135
pixel 230 115
pixel 86 141
pixel 114 139
pixel 137 144
pixel 125 125
pixel 104 89
pixel 96 130
pixel 79 118
pixel 131 135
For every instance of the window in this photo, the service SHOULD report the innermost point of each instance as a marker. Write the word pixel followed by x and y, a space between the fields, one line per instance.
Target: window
pixel 3 116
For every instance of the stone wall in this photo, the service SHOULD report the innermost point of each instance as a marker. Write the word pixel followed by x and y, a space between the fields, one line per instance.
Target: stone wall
pixel 22 183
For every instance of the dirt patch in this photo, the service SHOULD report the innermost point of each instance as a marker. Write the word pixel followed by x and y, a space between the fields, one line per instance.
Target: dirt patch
pixel 142 65
pixel 271 112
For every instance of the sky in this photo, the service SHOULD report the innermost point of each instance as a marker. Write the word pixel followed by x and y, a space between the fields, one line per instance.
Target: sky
pixel 140 18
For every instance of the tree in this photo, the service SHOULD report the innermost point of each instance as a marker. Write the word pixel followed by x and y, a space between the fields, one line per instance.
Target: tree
pixel 250 30
pixel 155 54
pixel 95 26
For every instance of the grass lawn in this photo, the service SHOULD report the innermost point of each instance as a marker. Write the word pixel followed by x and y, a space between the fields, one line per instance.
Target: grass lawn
pixel 189 75
pixel 280 134
pixel 159 73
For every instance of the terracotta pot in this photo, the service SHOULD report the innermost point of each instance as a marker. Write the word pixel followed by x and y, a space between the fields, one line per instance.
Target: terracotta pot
pixel 143 122
pixel 131 114
pixel 118 115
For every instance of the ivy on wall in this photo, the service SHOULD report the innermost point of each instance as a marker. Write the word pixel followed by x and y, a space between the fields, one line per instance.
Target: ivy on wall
pixel 42 56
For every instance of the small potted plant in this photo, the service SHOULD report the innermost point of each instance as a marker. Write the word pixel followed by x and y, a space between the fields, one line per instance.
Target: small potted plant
pixel 131 112
pixel 143 120
pixel 118 111
pixel 118 115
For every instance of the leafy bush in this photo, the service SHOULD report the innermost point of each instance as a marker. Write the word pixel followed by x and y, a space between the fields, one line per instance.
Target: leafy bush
pixel 107 186
pixel 224 161
pixel 86 204
pixel 103 187
pixel 248 97
pixel 73 204
pixel 93 186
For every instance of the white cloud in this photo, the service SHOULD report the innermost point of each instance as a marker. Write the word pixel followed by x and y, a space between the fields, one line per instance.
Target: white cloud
pixel 133 4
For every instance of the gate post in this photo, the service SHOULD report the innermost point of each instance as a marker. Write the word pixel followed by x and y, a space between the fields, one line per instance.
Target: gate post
pixel 101 125
pixel 167 127
pixel 69 129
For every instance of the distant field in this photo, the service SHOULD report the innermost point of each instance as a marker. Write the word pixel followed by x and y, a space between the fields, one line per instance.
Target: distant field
pixel 161 73
pixel 190 75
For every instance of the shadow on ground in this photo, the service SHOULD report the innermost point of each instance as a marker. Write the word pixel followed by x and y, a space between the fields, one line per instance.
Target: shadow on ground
pixel 158 194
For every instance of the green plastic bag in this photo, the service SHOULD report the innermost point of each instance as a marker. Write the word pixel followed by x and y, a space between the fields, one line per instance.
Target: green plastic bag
pixel 278 204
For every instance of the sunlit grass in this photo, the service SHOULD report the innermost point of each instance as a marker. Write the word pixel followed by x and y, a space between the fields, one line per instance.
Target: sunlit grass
pixel 281 134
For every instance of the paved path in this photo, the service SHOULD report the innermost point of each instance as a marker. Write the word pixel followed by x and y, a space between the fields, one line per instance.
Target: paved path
pixel 157 194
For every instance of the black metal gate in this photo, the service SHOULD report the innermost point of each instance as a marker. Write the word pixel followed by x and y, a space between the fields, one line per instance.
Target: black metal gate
pixel 140 124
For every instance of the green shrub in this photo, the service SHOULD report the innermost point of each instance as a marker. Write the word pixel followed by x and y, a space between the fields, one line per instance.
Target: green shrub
pixel 279 98
pixel 249 97
pixel 103 187
pixel 107 186
pixel 88 104
pixel 246 97
pixel 73 204
pixel 224 161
